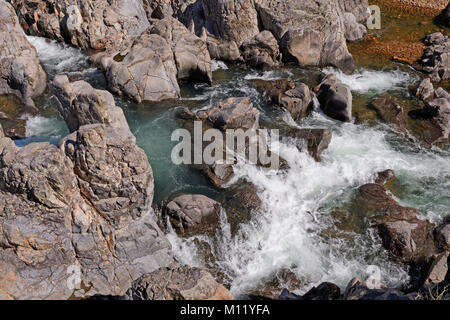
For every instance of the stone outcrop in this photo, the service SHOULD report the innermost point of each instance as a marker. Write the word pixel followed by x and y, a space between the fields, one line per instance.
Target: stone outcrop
pixel 235 20
pixel 178 283
pixel 76 220
pixel 436 58
pixel 148 72
pixel 335 98
pixel 311 32
pixel 191 53
pixel 20 71
pixel 261 51
pixel 425 90
pixel 438 270
pixel 192 214
pixel 102 24
pixel 445 16
pixel 296 98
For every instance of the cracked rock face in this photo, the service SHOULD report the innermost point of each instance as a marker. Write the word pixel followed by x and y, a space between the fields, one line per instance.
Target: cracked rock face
pixel 100 24
pixel 147 73
pixel 20 71
pixel 83 206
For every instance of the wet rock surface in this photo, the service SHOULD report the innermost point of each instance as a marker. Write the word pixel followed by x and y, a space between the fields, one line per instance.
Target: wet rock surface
pixel 21 73
pixel 314 140
pixel 193 214
pixel 296 98
pixel 335 98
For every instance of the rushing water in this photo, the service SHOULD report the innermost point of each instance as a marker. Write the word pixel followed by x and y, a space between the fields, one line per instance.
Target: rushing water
pixel 287 233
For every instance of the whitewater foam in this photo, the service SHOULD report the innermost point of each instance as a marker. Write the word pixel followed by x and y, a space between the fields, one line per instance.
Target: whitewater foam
pixel 374 81
pixel 218 65
pixel 58 57
pixel 286 232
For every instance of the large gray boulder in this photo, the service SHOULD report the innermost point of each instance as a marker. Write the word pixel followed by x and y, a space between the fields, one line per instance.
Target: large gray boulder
pixel 101 24
pixel 20 71
pixel 148 72
pixel 76 220
pixel 235 20
pixel 335 98
pixel 191 53
pixel 310 32
pixel 261 51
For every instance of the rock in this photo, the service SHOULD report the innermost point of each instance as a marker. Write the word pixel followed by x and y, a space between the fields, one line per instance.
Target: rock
pixel 404 235
pixel 286 295
pixel 425 90
pixel 384 177
pixel 444 17
pixel 191 53
pixel 309 32
pixel 315 140
pixel 439 111
pixel 436 58
pixel 79 104
pixel 231 20
pixel 335 98
pixel 325 291
pixel 438 270
pixel 295 98
pixel 390 112
pixel 158 9
pixel 20 71
pixel 223 50
pixel 178 283
pixel 219 174
pixel 353 30
pixel 358 290
pixel 147 73
pixel 85 205
pixel 261 51
pixel 234 113
pixel 13 116
pixel 193 214
pixel 105 24
pixel 443 235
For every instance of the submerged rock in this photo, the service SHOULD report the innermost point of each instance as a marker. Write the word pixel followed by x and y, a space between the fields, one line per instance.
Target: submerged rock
pixel 21 74
pixel 390 112
pixel 315 140
pixel 13 116
pixel 192 214
pixel 178 283
pixel 295 98
pixel 406 236
pixel 84 206
pixel 335 98
pixel 103 24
